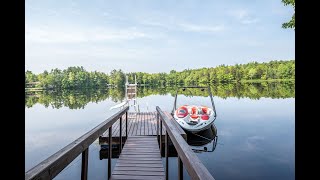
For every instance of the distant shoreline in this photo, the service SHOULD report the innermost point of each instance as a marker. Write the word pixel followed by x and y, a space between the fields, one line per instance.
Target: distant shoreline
pixel 155 85
pixel 78 77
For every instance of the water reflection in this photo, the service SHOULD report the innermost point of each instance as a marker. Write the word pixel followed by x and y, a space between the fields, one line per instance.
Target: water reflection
pixel 204 141
pixel 78 99
pixel 104 147
pixel 256 137
pixel 71 98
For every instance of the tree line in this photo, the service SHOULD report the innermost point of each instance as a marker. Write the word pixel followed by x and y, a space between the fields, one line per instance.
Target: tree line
pixel 78 99
pixel 272 90
pixel 78 77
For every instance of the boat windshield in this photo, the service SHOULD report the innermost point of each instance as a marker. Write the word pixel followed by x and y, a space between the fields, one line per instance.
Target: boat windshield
pixel 193 96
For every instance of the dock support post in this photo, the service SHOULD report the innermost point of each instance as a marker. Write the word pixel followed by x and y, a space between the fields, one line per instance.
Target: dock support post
pixel 180 164
pixel 158 127
pixel 84 165
pixel 180 169
pixel 127 125
pixel 110 152
pixel 166 154
pixel 160 137
pixel 120 134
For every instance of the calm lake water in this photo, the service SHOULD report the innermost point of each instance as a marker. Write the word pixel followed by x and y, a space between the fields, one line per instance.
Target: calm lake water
pixel 255 128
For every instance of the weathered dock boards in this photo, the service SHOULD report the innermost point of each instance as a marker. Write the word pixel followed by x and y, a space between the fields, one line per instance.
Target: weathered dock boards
pixel 139 159
pixel 139 124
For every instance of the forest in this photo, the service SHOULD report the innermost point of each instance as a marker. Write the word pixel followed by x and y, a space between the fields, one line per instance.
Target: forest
pixel 78 99
pixel 78 77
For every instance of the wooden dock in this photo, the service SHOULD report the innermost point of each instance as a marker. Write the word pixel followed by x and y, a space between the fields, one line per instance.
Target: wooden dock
pixel 139 159
pixel 139 124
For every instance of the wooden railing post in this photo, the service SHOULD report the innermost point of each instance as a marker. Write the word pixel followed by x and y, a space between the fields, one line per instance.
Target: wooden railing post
pixel 127 125
pixel 160 136
pixel 84 165
pixel 166 154
pixel 120 134
pixel 158 127
pixel 180 169
pixel 110 152
pixel 180 164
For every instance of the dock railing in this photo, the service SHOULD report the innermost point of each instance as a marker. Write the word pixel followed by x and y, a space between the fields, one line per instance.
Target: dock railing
pixel 186 156
pixel 52 166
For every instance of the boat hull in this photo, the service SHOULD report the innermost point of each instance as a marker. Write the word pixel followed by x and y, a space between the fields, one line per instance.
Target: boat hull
pixel 200 126
pixel 193 129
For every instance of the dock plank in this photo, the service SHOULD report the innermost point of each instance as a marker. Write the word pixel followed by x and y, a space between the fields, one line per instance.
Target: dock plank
pixel 131 118
pixel 128 177
pixel 139 124
pixel 140 159
pixel 124 168
pixel 140 165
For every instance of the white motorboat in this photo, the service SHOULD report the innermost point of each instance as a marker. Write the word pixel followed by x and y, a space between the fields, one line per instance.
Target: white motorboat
pixel 194 118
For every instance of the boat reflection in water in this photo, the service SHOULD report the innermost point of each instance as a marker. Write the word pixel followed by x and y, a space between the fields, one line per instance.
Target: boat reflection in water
pixel 204 141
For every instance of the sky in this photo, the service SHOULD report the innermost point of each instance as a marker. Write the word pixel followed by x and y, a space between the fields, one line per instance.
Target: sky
pixel 154 35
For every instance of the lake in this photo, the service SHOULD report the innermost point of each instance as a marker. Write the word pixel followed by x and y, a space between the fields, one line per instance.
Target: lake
pixel 255 128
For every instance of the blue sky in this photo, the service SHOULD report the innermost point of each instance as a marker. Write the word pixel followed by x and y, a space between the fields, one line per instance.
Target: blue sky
pixel 154 35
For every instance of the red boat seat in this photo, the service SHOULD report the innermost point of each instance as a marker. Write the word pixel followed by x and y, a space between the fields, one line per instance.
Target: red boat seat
pixel 205 117
pixel 182 112
pixel 194 116
pixel 204 109
pixel 194 112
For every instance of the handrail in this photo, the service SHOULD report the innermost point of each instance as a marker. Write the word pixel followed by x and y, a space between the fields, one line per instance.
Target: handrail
pixel 192 163
pixel 54 164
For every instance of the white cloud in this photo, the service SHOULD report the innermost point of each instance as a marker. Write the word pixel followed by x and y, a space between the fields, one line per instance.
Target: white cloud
pixel 46 34
pixel 243 16
pixel 253 143
pixel 201 28
pixel 173 24
pixel 105 14
pixel 240 14
pixel 52 12
pixel 156 24
pixel 250 21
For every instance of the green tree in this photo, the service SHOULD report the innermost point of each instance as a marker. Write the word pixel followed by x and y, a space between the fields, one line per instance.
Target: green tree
pixel 291 23
pixel 30 77
pixel 78 77
pixel 252 73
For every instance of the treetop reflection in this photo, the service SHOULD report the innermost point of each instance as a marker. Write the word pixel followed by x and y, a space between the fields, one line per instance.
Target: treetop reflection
pixel 78 99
